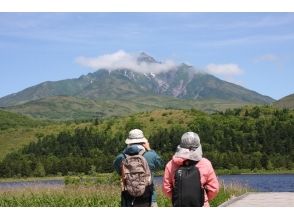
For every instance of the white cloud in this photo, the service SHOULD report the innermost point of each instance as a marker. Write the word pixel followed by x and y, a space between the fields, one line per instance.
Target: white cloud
pixel 267 58
pixel 224 69
pixel 123 60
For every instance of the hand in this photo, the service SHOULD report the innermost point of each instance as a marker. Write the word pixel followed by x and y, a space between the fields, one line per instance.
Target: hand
pixel 147 146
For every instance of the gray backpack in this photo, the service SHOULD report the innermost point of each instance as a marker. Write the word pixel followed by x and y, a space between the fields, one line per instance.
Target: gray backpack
pixel 136 175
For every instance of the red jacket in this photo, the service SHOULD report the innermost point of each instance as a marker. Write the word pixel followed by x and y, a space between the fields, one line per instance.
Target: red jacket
pixel 208 178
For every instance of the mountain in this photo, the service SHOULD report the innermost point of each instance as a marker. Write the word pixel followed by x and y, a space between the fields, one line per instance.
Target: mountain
pixel 286 102
pixel 180 82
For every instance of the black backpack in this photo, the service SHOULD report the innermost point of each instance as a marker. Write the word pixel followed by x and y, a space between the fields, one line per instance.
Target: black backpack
pixel 188 191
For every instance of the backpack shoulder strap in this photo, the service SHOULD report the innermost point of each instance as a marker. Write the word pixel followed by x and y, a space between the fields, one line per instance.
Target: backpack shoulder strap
pixel 141 152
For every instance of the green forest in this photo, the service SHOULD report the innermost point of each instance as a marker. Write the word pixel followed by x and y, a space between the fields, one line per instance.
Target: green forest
pixel 255 138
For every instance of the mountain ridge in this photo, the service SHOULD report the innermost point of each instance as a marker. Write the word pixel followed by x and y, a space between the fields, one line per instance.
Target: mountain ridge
pixel 285 102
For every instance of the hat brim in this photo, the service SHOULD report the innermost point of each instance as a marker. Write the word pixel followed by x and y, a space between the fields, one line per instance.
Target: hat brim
pixel 136 141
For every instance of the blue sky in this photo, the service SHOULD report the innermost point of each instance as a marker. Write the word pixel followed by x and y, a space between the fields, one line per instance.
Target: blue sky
pixel 255 50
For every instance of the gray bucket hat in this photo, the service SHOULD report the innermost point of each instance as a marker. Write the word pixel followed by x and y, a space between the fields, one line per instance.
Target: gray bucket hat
pixel 136 136
pixel 190 147
pixel 190 140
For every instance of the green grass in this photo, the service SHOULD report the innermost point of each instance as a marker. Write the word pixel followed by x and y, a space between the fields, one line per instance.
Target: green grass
pixel 104 195
pixel 100 191
pixel 228 192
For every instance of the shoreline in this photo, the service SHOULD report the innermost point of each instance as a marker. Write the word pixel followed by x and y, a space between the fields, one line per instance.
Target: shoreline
pixel 257 172
pixel 158 174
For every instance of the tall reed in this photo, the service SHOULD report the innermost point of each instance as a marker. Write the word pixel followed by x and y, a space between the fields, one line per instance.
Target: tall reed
pixel 98 195
pixel 100 191
pixel 103 195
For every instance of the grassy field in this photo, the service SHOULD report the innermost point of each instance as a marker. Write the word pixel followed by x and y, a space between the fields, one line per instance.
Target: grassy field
pixel 102 195
pixel 103 191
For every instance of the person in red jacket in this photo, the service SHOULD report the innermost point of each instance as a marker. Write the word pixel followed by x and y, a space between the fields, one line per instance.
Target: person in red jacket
pixel 190 149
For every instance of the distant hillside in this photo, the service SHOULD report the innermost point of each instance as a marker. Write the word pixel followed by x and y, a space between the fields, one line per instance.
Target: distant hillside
pixel 17 130
pixel 16 136
pixel 286 102
pixel 244 138
pixel 13 120
pixel 71 108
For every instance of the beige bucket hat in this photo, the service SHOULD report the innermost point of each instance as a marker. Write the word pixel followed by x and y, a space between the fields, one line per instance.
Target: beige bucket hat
pixel 136 136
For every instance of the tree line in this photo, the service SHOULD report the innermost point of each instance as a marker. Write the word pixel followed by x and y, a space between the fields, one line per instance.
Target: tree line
pixel 245 138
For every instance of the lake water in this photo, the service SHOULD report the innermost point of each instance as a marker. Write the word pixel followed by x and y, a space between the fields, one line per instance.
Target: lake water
pixel 258 182
pixel 38 183
pixel 263 183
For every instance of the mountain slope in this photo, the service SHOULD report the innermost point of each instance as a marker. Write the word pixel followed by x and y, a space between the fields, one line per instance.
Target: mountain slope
pixel 69 87
pixel 13 120
pixel 286 102
pixel 71 108
pixel 87 94
pixel 201 86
